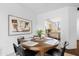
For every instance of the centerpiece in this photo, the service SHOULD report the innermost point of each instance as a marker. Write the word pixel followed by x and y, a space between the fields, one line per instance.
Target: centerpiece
pixel 39 34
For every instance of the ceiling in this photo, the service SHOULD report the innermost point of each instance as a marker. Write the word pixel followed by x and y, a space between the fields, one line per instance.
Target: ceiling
pixel 45 7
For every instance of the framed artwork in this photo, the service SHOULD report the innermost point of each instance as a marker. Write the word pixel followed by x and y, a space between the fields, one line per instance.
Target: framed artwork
pixel 18 25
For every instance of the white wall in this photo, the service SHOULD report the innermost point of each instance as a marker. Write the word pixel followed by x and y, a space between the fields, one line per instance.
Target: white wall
pixel 6 41
pixel 66 27
pixel 77 25
pixel 72 26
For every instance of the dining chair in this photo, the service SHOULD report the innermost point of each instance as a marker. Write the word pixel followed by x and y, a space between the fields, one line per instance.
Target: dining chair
pixel 21 52
pixel 57 52
pixel 15 48
pixel 20 39
pixel 30 52
pixel 26 52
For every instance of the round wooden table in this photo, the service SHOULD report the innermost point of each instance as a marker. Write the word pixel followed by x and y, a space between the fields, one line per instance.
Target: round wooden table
pixel 41 47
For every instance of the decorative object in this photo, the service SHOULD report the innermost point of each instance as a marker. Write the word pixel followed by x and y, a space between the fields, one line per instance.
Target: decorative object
pixel 38 36
pixel 39 33
pixel 18 25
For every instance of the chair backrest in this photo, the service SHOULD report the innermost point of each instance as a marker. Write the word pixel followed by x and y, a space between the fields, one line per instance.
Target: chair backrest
pixel 64 48
pixel 15 47
pixel 21 51
pixel 18 50
pixel 19 40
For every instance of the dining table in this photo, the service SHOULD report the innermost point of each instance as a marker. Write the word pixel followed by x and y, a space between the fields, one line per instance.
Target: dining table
pixel 40 46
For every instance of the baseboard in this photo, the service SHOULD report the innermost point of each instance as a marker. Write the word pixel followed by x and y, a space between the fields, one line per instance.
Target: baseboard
pixel 11 54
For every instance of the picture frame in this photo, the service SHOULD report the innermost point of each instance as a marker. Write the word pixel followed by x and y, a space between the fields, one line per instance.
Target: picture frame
pixel 18 25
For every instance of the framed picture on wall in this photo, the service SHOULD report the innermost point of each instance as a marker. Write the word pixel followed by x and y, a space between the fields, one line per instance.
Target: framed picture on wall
pixel 18 25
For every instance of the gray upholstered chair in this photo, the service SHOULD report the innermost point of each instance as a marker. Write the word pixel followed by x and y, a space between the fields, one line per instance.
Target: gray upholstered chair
pixel 57 52
pixel 21 52
pixel 20 39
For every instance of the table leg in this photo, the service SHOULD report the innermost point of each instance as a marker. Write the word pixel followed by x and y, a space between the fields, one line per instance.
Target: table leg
pixel 42 53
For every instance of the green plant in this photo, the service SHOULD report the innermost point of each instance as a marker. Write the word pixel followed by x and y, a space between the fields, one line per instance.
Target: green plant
pixel 39 32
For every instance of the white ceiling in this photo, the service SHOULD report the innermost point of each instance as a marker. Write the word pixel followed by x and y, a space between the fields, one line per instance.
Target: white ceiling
pixel 45 7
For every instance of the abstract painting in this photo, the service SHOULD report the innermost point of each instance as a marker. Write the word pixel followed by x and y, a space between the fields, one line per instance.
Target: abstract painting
pixel 18 25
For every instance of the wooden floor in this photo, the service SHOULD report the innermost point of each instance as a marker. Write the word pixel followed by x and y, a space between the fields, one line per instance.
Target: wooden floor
pixel 74 51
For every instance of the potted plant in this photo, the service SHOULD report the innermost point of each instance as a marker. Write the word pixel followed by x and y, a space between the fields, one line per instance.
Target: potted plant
pixel 39 33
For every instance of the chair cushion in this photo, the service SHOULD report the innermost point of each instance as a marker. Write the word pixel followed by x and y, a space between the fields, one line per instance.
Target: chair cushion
pixel 30 52
pixel 54 52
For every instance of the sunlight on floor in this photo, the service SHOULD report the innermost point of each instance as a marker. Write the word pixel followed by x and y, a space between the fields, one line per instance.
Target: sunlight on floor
pixel 67 54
